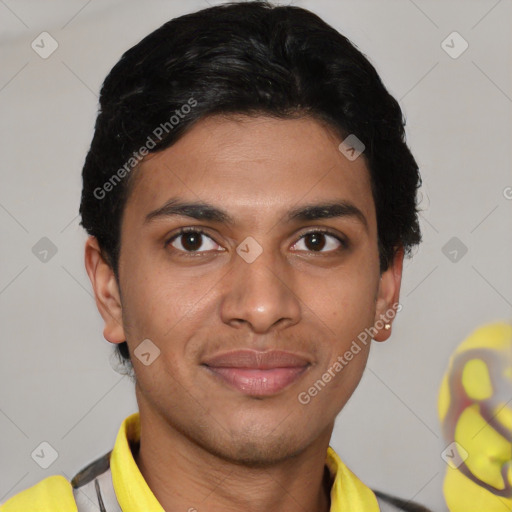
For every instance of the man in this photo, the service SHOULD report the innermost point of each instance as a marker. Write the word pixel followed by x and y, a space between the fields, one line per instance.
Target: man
pixel 250 198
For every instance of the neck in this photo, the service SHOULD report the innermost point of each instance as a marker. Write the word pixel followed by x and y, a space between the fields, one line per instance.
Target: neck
pixel 184 476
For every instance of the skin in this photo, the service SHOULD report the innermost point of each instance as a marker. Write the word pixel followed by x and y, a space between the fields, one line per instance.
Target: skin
pixel 204 444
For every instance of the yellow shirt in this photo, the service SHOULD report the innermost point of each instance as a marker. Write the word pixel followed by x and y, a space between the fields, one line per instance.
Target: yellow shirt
pixel 55 494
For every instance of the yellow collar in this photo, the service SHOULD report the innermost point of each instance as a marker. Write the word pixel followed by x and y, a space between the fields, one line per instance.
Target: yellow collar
pixel 133 493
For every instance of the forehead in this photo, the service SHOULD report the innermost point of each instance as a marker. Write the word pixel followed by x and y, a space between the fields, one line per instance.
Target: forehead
pixel 252 166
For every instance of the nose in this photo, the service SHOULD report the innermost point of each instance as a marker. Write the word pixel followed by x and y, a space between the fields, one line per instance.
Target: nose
pixel 260 294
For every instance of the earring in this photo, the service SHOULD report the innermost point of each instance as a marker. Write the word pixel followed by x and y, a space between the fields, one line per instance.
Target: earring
pixel 387 327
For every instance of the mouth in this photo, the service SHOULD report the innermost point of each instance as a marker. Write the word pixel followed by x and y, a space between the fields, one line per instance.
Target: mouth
pixel 258 373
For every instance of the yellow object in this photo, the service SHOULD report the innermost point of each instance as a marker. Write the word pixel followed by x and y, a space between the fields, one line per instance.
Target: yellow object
pixel 52 494
pixel 475 410
pixel 55 494
pixel 476 380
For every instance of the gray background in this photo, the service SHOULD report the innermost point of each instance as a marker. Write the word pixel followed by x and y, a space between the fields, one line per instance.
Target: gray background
pixel 56 378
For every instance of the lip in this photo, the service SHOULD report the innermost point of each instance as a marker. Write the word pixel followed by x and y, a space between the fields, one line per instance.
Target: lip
pixel 258 373
pixel 257 360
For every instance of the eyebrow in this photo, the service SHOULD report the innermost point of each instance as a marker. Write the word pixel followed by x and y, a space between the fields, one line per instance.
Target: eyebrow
pixel 206 211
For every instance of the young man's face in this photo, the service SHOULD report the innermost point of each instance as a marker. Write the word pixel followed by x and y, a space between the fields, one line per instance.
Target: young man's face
pixel 195 297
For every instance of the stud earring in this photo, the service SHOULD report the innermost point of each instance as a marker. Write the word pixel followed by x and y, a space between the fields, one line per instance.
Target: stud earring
pixel 387 327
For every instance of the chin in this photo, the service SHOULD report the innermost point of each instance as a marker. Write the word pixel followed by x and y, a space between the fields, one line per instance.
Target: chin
pixel 260 455
pixel 258 451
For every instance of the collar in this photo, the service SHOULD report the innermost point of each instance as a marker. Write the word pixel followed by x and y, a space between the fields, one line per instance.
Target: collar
pixel 133 493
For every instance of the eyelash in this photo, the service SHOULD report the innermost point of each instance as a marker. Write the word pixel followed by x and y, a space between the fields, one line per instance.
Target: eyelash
pixel 184 231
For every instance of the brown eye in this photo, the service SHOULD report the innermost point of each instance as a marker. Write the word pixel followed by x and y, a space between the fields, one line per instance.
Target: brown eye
pixel 192 240
pixel 317 241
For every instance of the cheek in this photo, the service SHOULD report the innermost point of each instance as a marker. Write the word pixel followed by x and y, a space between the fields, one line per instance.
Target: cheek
pixel 347 379
pixel 345 301
pixel 157 297
pixel 342 308
pixel 332 386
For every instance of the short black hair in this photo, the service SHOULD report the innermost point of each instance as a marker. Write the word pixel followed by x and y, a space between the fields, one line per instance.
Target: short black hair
pixel 250 58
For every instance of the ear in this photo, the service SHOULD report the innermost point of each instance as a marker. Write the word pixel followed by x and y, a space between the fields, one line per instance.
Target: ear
pixel 388 294
pixel 106 291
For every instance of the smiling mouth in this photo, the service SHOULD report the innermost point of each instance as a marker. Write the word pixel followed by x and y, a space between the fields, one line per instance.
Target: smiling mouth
pixel 258 373
pixel 256 382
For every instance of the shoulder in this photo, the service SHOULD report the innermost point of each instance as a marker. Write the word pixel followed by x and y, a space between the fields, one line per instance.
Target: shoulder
pixel 56 494
pixel 53 494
